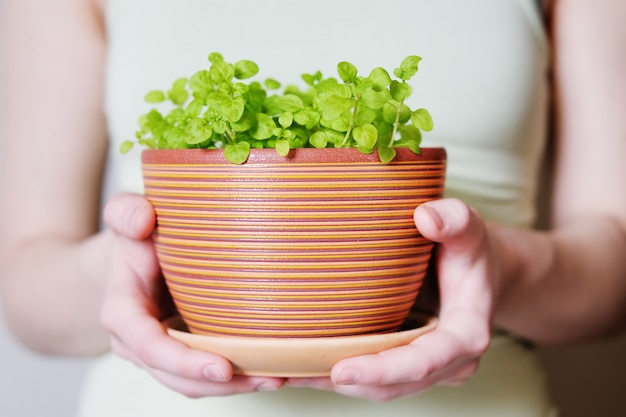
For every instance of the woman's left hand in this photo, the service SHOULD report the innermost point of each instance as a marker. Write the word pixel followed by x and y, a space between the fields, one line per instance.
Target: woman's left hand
pixel 468 270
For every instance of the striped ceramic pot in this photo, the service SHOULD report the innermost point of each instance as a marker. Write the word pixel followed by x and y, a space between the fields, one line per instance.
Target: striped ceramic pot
pixel 320 243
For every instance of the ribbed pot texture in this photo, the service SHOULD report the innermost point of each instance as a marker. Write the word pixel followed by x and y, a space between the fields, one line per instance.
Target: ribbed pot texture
pixel 320 243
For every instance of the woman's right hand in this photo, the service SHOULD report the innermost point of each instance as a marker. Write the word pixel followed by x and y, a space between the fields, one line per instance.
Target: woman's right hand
pixel 133 308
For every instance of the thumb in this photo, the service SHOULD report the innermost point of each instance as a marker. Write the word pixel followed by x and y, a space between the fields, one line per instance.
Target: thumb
pixel 452 223
pixel 130 215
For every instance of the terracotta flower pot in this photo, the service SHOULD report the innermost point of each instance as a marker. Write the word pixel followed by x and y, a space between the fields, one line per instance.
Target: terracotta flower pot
pixel 302 246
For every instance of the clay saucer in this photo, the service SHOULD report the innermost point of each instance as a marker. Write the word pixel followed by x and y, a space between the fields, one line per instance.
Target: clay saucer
pixel 297 357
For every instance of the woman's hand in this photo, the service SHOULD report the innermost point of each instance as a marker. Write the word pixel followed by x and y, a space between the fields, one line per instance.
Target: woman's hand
pixel 468 275
pixel 133 307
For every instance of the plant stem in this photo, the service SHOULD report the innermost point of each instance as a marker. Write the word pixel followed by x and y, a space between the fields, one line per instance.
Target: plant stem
pixel 352 122
pixel 396 123
pixel 230 135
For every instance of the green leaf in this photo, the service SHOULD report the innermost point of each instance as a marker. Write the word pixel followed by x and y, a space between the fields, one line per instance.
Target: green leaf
pixel 255 96
pixel 399 90
pixel 334 106
pixel 175 116
pixel 410 137
pixel 312 79
pixel 244 124
pixel 213 112
pixel 216 98
pixel 365 151
pixel 233 108
pixel 150 121
pixel 178 94
pixel 201 82
pixel 386 155
pixel 126 146
pixel 319 139
pixel 307 117
pixel 237 153
pixel 389 112
pixel 198 131
pixel 332 88
pixel 282 147
pixel 365 136
pixel 194 108
pixel 375 99
pixel 422 119
pixel 155 97
pixel 221 72
pixel 272 84
pixel 342 122
pixel 409 133
pixel 219 127
pixel 408 68
pixel 215 57
pixel 405 114
pixel 334 137
pixel 285 119
pixel 175 137
pixel 245 69
pixel 289 102
pixel 347 72
pixel 365 116
pixel 240 89
pixel 380 79
pixel 263 128
pixel 362 85
pixel 414 146
pixel 149 143
pixel 308 79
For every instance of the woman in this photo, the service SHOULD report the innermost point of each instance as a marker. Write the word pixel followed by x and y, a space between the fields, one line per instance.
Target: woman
pixel 485 79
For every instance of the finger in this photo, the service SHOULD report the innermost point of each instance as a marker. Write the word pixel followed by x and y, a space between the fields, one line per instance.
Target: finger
pixel 463 331
pixel 465 265
pixel 200 388
pixel 464 372
pixel 197 389
pixel 459 371
pixel 130 215
pixel 152 347
pixel 414 362
pixel 452 375
pixel 451 222
pixel 130 314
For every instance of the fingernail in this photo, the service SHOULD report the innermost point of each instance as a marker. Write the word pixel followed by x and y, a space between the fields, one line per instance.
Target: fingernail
pixel 348 376
pixel 435 216
pixel 266 386
pixel 214 373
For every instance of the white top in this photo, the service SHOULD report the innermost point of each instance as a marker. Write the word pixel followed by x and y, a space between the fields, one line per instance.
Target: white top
pixel 482 77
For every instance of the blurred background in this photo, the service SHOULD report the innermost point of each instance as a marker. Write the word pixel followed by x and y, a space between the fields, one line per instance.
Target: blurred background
pixel 587 380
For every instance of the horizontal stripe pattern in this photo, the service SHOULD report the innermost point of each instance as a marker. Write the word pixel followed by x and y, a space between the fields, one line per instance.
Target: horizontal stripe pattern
pixel 304 249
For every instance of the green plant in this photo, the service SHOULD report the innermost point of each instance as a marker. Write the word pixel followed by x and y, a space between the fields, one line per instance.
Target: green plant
pixel 214 109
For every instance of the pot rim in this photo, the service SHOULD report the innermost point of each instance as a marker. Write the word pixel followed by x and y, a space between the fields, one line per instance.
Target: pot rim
pixel 300 155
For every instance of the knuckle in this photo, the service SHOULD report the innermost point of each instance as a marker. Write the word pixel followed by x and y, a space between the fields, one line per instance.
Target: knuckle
pixel 420 373
pixel 480 343
pixel 108 317
pixel 147 355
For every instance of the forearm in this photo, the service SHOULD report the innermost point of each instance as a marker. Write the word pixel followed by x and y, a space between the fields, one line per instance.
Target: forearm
pixel 565 285
pixel 569 283
pixel 52 291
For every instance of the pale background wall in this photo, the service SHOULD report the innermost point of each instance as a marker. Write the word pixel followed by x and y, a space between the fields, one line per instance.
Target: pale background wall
pixel 34 386
pixel 588 381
